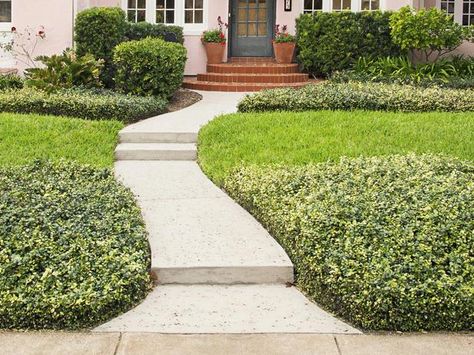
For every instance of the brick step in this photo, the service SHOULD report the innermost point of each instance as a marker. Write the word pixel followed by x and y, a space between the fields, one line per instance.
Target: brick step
pixel 251 59
pixel 253 68
pixel 193 84
pixel 253 78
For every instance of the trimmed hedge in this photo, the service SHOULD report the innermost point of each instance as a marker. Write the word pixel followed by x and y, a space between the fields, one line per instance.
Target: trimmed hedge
pixel 97 31
pixel 11 81
pixel 141 30
pixel 73 247
pixel 360 95
pixel 333 41
pixel 386 243
pixel 87 104
pixel 150 66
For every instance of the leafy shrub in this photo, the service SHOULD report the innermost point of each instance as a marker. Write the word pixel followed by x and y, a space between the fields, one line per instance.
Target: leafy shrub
pixel 97 31
pixel 73 247
pixel 10 81
pixel 386 243
pixel 65 71
pixel 328 42
pixel 87 104
pixel 431 31
pixel 445 72
pixel 214 36
pixel 141 30
pixel 360 95
pixel 150 66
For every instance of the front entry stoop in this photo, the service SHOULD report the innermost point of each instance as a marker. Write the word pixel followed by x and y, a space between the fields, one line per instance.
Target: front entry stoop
pixel 247 74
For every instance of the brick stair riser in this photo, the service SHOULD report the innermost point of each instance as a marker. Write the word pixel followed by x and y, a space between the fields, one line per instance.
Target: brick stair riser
pixel 253 78
pixel 251 60
pixel 252 69
pixel 237 87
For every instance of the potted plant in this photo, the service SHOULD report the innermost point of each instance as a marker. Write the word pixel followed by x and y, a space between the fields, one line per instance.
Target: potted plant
pixel 283 45
pixel 214 41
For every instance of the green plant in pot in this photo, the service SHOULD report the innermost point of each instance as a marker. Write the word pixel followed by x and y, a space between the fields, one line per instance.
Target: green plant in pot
pixel 283 45
pixel 214 41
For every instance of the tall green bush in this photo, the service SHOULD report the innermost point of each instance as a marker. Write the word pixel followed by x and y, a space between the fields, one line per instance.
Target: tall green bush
pixel 98 30
pixel 149 67
pixel 334 41
pixel 141 30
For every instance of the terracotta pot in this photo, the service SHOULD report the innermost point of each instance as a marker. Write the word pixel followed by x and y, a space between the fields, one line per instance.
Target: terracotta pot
pixel 215 52
pixel 284 52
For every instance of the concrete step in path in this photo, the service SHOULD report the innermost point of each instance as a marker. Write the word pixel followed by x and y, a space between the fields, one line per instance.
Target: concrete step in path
pixel 197 234
pixel 156 151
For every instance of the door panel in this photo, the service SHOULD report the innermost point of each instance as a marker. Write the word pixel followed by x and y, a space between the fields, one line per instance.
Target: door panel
pixel 252 23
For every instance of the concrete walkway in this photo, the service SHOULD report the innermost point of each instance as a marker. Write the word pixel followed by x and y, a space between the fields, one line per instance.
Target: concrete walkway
pixel 274 344
pixel 218 270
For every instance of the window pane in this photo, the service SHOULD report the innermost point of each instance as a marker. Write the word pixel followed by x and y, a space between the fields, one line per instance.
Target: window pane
pixel 242 29
pixel 199 4
pixel 308 4
pixel 198 16
pixel 132 4
pixel 252 29
pixel 170 4
pixel 131 15
pixel 5 11
pixel 252 14
pixel 169 16
pixel 160 17
pixel 141 15
pixel 346 4
pixel 336 4
pixel 262 29
pixel 160 4
pixel 141 4
pixel 188 4
pixel 375 5
pixel 188 16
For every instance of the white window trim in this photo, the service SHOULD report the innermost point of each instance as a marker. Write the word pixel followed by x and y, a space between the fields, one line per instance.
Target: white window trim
pixel 356 5
pixel 458 5
pixel 188 28
pixel 7 26
pixel 6 59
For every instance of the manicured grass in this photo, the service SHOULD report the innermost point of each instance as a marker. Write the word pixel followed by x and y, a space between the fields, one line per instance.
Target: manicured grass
pixel 318 136
pixel 24 138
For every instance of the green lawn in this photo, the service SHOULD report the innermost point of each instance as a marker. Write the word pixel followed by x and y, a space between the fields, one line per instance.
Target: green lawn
pixel 300 138
pixel 26 137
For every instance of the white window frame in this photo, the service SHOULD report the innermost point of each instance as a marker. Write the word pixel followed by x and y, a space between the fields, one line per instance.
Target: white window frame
pixel 7 26
pixel 469 13
pixel 458 8
pixel 6 59
pixel 356 6
pixel 188 28
pixel 370 5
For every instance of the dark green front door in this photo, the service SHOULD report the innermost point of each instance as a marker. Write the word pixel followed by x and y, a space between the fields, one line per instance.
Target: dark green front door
pixel 252 23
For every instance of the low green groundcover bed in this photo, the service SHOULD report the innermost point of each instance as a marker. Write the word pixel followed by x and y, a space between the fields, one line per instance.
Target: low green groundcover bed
pixel 307 137
pixel 73 247
pixel 24 138
pixel 387 243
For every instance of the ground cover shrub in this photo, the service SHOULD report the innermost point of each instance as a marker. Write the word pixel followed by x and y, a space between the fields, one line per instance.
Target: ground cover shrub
pixel 360 95
pixel 329 42
pixel 141 30
pixel 10 81
pixel 455 72
pixel 73 247
pixel 65 71
pixel 386 243
pixel 24 138
pixel 300 138
pixel 149 67
pixel 97 31
pixel 87 104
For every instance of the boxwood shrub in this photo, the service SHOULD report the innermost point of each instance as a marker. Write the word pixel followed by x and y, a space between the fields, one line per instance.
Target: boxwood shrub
pixel 141 30
pixel 360 95
pixel 87 104
pixel 387 243
pixel 11 81
pixel 150 66
pixel 330 41
pixel 97 31
pixel 73 247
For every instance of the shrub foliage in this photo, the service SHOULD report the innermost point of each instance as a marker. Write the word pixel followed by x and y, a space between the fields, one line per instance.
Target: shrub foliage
pixel 11 81
pixel 333 41
pixel 360 95
pixel 150 66
pixel 97 31
pixel 73 247
pixel 387 243
pixel 87 104
pixel 141 30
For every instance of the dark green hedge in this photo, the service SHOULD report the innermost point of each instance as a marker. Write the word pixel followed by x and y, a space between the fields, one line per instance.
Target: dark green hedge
pixel 87 104
pixel 360 96
pixel 97 31
pixel 11 81
pixel 73 247
pixel 150 66
pixel 334 41
pixel 387 243
pixel 141 30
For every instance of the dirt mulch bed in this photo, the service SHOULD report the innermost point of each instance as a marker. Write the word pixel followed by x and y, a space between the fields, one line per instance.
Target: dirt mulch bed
pixel 182 99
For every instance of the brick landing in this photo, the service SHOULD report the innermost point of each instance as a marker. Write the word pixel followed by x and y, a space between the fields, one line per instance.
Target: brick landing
pixel 248 74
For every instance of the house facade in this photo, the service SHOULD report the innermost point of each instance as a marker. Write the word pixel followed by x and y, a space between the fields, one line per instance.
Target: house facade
pixel 251 22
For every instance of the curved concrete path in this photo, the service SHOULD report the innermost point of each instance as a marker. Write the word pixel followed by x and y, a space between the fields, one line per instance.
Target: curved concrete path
pixel 218 269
